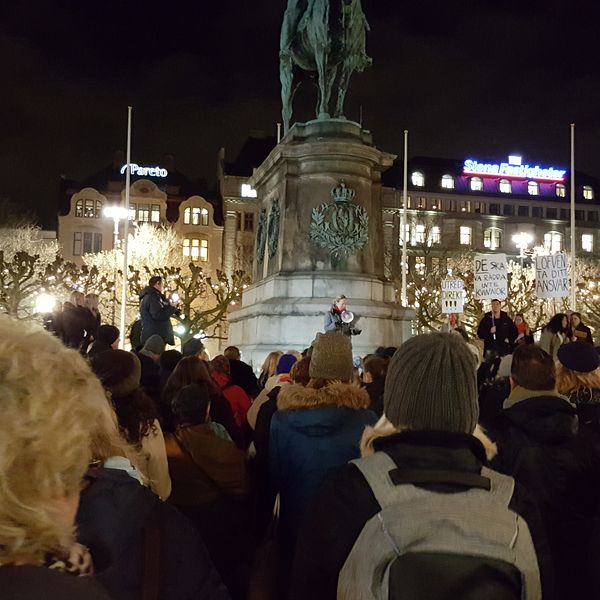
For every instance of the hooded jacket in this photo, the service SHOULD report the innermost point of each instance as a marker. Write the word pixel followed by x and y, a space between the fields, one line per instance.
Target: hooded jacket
pixel 312 431
pixel 155 314
pixel 539 445
pixel 345 502
pixel 113 515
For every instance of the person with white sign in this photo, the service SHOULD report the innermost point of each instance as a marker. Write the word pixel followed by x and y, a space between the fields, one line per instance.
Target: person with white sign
pixel 497 330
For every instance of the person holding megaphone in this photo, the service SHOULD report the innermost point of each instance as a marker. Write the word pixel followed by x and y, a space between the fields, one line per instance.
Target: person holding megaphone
pixel 339 318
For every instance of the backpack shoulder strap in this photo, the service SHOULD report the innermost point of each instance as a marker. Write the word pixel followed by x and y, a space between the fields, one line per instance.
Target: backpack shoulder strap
pixel 376 469
pixel 502 486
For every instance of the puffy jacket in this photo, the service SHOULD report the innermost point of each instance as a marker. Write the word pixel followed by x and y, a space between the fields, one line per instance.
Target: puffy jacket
pixel 312 432
pixel 155 314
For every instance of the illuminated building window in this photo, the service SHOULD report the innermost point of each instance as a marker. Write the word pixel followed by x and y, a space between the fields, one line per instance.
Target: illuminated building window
pixel 435 235
pixel 418 179
pixel 195 216
pixel 533 188
pixel 132 211
pixel 143 213
pixel 77 243
pixel 420 264
pixel 407 232
pixel 553 241
pixel 492 238
pixel 588 192
pixel 88 208
pixel 560 190
pixel 587 242
pixel 466 235
pixel 448 182
pixel 247 191
pixel 195 249
pixel 476 184
pixel 155 213
pixel 420 234
pixel 505 186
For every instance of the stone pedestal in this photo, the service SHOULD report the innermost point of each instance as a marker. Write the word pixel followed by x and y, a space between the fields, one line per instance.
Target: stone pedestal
pixel 296 279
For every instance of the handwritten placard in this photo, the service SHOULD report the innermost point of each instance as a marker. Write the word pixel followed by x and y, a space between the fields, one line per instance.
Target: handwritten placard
pixel 453 296
pixel 551 276
pixel 491 276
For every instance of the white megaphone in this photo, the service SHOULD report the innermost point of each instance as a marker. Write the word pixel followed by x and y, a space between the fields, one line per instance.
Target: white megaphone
pixel 347 316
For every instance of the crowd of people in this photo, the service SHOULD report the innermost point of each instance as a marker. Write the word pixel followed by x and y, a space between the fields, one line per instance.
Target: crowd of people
pixel 413 472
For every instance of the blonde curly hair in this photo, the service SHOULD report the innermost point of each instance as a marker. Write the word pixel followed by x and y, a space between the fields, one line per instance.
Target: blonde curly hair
pixel 49 401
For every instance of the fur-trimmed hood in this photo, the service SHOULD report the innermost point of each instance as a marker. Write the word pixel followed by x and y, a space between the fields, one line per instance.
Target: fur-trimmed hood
pixel 298 397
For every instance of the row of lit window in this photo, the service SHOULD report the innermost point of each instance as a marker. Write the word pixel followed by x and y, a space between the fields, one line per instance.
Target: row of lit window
pixel 505 185
pixel 195 216
pixel 492 237
pixel 509 210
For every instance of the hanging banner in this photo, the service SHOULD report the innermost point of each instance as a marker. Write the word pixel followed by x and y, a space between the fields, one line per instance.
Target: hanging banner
pixel 491 276
pixel 453 296
pixel 551 276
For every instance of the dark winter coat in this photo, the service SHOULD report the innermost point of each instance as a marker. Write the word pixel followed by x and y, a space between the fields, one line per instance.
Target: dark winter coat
pixel 150 377
pixel 582 332
pixel 491 398
pixel 312 432
pixel 72 325
pixel 114 515
pixel 28 582
pixel 155 314
pixel 506 333
pixel 539 446
pixel 242 374
pixel 375 391
pixel 345 503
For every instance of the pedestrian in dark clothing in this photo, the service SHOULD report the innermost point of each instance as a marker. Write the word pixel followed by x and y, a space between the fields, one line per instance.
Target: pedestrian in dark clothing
pixel 375 369
pixel 578 332
pixel 149 357
pixel 538 445
pixel 107 338
pixel 315 428
pixel 497 330
pixel 167 362
pixel 138 541
pixel 431 407
pixel 135 335
pixel 241 373
pixel 189 370
pixel 578 378
pixel 156 312
pixel 71 325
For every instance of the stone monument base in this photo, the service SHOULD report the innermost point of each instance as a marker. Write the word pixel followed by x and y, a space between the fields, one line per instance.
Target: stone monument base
pixel 285 312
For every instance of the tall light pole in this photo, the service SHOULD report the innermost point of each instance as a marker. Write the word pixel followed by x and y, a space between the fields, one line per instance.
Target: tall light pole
pixel 126 231
pixel 522 241
pixel 404 297
pixel 573 257
pixel 116 213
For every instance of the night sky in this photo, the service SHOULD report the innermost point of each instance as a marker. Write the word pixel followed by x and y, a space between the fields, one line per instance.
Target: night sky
pixel 478 79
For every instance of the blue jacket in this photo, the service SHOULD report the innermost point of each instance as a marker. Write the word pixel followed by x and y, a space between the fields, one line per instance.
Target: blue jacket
pixel 312 432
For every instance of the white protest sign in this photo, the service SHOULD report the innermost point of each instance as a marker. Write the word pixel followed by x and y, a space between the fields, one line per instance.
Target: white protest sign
pixel 551 276
pixel 453 296
pixel 491 276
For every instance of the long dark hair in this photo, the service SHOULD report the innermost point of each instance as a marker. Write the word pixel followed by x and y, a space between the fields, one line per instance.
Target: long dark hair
pixel 136 415
pixel 189 370
pixel 555 324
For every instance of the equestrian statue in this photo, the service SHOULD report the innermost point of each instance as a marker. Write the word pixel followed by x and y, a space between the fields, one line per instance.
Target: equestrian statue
pixel 326 37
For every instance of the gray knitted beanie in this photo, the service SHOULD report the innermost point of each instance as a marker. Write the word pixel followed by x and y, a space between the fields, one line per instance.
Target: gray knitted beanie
pixel 431 385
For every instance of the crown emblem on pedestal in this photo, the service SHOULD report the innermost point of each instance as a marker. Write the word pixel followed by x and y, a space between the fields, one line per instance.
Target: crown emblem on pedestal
pixel 341 193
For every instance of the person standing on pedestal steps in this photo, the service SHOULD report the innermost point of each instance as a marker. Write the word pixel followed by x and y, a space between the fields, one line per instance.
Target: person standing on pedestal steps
pixel 339 318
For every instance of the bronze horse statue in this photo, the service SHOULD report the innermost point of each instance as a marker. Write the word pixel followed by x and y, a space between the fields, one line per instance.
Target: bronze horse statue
pixel 323 36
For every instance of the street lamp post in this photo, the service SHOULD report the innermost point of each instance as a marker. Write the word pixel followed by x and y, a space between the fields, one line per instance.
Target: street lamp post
pixel 522 241
pixel 116 213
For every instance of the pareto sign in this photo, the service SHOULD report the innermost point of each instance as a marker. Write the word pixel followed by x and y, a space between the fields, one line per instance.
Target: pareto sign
pixel 145 171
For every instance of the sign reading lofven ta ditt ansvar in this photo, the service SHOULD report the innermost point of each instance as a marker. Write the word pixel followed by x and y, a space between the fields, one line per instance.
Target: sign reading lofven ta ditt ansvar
pixel 551 276
pixel 491 276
